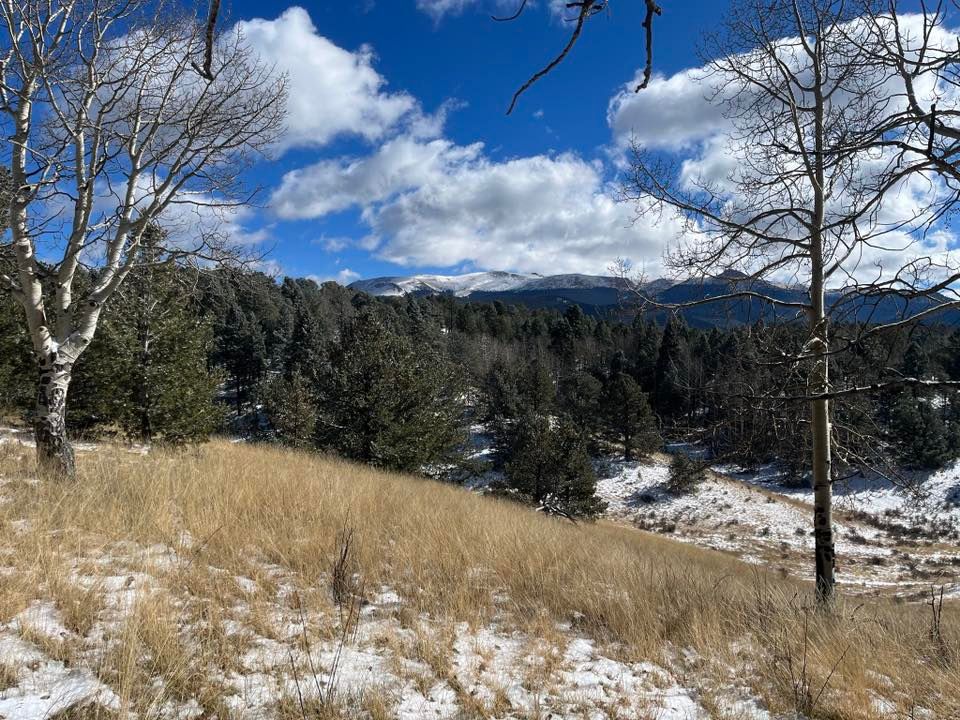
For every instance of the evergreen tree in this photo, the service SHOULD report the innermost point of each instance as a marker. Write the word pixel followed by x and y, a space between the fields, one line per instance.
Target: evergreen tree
pixel 242 352
pixel 537 389
pixel 916 360
pixel 17 367
pixel 146 372
pixel 686 474
pixel 919 434
pixel 383 401
pixel 580 395
pixel 627 416
pixel 671 371
pixel 304 349
pixel 501 393
pixel 646 349
pixel 290 404
pixel 550 466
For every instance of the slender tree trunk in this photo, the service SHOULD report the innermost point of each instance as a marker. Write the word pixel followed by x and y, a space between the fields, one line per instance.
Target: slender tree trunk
pixel 820 373
pixel 55 457
pixel 822 475
pixel 146 428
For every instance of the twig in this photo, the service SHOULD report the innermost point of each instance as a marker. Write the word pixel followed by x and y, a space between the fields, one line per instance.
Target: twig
pixel 517 14
pixel 585 7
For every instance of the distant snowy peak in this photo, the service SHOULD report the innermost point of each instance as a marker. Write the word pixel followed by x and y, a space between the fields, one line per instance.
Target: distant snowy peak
pixel 459 285
pixel 491 282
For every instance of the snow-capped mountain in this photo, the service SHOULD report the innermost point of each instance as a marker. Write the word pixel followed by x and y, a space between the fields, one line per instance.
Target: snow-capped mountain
pixel 608 295
pixel 482 282
pixel 459 285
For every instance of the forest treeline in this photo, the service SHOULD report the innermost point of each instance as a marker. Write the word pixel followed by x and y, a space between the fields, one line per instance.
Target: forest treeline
pixel 397 382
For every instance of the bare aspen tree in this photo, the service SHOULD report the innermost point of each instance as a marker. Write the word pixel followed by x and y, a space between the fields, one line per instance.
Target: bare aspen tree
pixel 820 140
pixel 920 51
pixel 110 129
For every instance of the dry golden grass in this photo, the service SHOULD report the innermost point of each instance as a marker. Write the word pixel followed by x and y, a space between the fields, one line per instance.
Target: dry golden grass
pixel 233 510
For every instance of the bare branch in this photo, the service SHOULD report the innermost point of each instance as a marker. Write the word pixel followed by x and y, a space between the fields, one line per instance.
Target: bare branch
pixel 586 10
pixel 652 9
pixel 207 70
pixel 517 14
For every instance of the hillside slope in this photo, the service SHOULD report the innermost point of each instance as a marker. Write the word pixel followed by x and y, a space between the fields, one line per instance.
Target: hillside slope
pixel 245 582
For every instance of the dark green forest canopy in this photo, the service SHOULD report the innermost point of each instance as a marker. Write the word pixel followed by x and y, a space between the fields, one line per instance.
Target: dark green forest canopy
pixel 243 353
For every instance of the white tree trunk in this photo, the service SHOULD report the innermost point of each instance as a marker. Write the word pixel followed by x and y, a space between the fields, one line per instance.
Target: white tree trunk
pixel 819 378
pixel 822 474
pixel 55 456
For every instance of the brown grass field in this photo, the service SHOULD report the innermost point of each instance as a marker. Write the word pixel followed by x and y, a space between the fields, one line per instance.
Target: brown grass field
pixel 185 524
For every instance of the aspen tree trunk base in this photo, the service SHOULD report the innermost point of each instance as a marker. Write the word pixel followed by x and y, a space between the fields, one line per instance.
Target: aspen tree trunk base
pixel 55 455
pixel 826 563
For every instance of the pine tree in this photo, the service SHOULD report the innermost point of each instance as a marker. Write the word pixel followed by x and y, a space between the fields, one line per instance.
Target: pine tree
pixel 916 360
pixel 242 351
pixel 304 349
pixel 17 367
pixel 290 404
pixel 550 466
pixel 686 474
pixel 627 416
pixel 580 395
pixel 919 434
pixel 576 482
pixel 537 389
pixel 670 380
pixel 146 372
pixel 383 401
pixel 532 458
pixel 646 348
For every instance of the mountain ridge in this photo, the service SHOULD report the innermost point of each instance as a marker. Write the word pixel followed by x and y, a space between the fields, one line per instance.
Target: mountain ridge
pixel 609 296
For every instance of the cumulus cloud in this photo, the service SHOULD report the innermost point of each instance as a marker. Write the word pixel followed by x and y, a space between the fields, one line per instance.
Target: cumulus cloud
pixel 672 112
pixel 332 91
pixel 548 214
pixel 344 277
pixel 433 202
pixel 399 164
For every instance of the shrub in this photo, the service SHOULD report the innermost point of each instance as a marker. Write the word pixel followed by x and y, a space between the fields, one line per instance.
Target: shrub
pixel 685 475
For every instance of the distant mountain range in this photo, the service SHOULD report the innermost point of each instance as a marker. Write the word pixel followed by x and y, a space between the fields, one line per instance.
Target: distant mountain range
pixel 618 297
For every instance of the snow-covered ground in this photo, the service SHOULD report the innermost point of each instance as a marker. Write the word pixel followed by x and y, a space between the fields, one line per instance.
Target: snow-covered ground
pixel 888 539
pixel 417 668
pixel 23 437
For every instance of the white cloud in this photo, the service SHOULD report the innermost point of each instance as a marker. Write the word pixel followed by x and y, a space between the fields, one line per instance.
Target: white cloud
pixel 432 202
pixel 332 185
pixel 347 276
pixel 344 277
pixel 670 113
pixel 332 91
pixel 548 214
pixel 332 244
pixel 539 214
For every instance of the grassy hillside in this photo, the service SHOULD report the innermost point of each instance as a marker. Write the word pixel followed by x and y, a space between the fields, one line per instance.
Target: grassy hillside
pixel 236 580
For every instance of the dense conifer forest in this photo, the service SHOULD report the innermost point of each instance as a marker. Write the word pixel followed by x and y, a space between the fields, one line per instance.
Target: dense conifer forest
pixel 399 383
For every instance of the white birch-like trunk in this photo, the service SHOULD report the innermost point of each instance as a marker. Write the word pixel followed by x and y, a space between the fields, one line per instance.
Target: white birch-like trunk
pixel 819 378
pixel 55 456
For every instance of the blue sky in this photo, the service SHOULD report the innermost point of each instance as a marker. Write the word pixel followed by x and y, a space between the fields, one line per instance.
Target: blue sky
pixel 471 65
pixel 398 157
